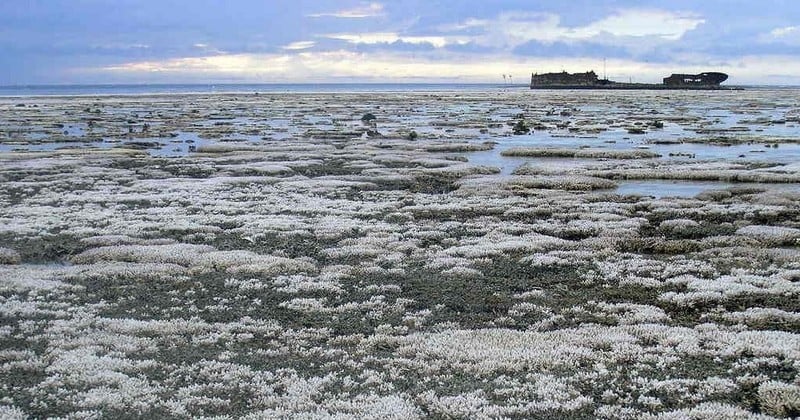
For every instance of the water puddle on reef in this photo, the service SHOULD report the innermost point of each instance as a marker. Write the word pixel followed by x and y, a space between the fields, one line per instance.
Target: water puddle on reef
pixel 670 188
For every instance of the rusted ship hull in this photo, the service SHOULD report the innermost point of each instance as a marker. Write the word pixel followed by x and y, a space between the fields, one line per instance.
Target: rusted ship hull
pixel 634 86
pixel 589 80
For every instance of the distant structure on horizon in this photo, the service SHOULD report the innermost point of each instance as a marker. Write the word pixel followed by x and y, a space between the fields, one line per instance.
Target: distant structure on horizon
pixel 573 79
pixel 589 80
pixel 702 79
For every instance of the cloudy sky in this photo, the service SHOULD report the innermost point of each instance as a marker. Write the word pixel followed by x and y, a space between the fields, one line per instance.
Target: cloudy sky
pixel 279 41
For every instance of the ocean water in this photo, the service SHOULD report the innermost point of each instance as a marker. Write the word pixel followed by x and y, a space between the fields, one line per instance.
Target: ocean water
pixel 146 89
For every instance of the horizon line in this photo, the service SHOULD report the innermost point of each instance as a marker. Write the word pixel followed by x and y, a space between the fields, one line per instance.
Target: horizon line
pixel 35 85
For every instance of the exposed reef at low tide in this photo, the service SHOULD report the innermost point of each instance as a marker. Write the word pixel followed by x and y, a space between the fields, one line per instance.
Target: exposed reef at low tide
pixel 266 256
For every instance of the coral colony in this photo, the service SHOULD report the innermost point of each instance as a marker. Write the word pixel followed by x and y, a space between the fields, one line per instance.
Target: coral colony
pixel 523 254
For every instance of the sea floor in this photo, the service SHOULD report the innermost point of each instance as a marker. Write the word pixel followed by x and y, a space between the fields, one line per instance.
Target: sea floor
pixel 636 255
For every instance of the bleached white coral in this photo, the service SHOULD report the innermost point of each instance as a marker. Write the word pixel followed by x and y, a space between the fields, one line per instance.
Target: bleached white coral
pixel 9 256
pixel 498 244
pixel 32 277
pixel 470 404
pixel 761 315
pixel 462 272
pixel 12 413
pixel 779 398
pixel 630 313
pixel 709 411
pixel 702 291
pixel 197 257
pixel 182 254
pixel 771 234
pixel 300 283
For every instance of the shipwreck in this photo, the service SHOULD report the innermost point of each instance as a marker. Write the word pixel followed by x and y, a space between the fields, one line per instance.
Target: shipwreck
pixel 590 80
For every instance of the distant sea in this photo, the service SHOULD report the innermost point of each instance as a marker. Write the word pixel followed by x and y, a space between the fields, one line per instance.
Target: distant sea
pixel 143 89
pixel 162 89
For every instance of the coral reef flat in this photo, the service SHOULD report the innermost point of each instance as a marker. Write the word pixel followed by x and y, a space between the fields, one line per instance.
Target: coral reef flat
pixel 455 254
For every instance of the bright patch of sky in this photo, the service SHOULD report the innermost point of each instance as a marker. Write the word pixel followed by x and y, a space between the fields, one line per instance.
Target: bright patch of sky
pixel 279 41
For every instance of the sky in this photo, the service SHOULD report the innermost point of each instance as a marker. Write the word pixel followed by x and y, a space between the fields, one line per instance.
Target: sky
pixel 342 41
